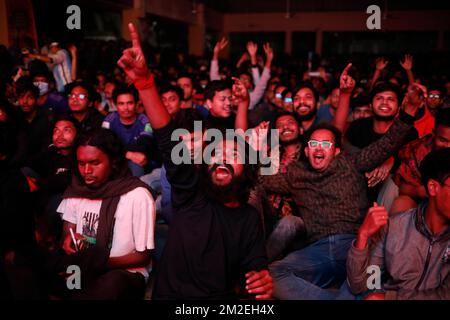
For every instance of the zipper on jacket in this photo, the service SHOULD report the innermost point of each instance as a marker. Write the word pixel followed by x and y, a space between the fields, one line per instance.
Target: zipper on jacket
pixel 427 262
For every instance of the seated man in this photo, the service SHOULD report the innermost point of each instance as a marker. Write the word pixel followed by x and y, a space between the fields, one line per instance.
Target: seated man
pixel 37 124
pixel 219 101
pixel 412 248
pixel 329 188
pixel 215 240
pixel 411 190
pixel 112 216
pixel 435 98
pixel 54 168
pixel 132 128
pixel 49 100
pixel 80 105
pixel 283 224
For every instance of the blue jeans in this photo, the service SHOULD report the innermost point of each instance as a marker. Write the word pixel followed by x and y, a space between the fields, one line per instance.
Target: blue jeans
pixel 284 233
pixel 304 274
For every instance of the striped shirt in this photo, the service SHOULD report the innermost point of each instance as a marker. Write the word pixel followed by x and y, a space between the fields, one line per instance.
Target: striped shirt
pixel 62 68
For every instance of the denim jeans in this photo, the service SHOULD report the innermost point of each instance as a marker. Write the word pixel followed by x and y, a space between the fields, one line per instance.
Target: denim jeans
pixel 284 233
pixel 305 273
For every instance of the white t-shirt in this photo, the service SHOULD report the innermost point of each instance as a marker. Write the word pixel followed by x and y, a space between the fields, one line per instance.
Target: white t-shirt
pixel 134 226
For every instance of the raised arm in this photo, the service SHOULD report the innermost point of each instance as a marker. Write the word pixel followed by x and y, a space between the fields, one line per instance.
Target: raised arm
pixel 407 65
pixel 243 58
pixel 379 151
pixel 359 257
pixel 276 183
pixel 380 64
pixel 134 64
pixel 260 87
pixel 214 69
pixel 241 97
pixel 74 53
pixel 40 57
pixel 183 176
pixel 346 86
pixel 252 49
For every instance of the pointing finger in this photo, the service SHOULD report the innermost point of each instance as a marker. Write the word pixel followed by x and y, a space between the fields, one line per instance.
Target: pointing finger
pixel 134 36
pixel 346 69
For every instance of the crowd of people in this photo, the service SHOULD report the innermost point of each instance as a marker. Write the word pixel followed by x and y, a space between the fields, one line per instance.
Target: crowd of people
pixel 360 179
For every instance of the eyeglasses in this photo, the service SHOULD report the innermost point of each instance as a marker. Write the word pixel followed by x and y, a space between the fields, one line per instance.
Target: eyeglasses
pixel 313 144
pixel 434 96
pixel 80 96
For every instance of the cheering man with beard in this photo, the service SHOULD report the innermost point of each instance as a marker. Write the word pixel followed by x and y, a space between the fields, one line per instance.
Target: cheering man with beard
pixel 215 240
pixel 306 103
pixel 386 100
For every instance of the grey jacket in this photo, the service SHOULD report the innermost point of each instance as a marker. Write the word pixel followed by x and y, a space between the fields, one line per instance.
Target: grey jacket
pixel 416 264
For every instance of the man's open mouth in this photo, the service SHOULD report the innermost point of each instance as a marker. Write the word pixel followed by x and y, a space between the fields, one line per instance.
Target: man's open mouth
pixel 287 132
pixel 318 158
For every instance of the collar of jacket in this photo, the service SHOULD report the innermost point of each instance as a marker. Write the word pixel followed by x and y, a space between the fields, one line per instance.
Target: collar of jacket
pixel 423 228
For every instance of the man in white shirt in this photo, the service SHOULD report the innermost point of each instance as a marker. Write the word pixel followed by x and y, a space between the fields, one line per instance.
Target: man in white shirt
pixel 60 64
pixel 107 209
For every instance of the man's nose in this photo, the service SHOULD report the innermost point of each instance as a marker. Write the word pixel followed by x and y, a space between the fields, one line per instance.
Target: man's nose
pixel 87 169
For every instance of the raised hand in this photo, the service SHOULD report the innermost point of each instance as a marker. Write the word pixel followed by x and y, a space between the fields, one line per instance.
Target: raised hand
pixel 133 59
pixel 407 62
pixel 259 136
pixel 376 218
pixel 381 63
pixel 220 45
pixel 73 49
pixel 269 53
pixel 346 82
pixel 239 91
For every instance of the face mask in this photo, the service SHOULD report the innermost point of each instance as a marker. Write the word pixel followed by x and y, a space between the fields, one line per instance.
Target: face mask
pixel 43 87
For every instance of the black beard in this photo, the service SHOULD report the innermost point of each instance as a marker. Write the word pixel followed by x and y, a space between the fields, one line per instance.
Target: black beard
pixel 384 118
pixel 308 116
pixel 290 142
pixel 223 194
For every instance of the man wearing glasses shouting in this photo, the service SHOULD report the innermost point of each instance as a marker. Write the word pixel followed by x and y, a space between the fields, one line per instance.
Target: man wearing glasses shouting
pixel 81 109
pixel 329 188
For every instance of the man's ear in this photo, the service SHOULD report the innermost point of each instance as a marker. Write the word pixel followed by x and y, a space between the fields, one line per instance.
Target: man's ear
pixel 182 104
pixel 337 151
pixel 307 152
pixel 208 104
pixel 433 187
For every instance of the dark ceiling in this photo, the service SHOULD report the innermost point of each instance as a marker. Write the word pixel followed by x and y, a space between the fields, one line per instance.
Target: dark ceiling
pixel 245 6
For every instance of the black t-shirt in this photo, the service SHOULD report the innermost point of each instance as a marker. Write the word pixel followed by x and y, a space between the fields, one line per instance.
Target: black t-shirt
pixel 221 124
pixel 210 247
pixel 55 170
pixel 38 133
pixel 360 134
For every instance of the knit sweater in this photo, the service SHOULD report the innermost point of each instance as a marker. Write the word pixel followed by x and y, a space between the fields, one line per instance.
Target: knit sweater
pixel 334 201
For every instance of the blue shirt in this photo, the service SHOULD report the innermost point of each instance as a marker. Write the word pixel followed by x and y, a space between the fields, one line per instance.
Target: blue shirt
pixel 324 113
pixel 128 134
